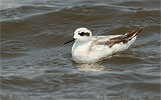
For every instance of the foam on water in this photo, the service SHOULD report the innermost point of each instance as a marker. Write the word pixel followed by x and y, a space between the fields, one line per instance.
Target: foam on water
pixel 5 4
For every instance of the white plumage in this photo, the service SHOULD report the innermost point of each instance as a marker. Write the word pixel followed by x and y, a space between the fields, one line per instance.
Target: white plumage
pixel 89 49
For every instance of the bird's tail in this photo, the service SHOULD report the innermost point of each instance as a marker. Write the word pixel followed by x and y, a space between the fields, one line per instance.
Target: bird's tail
pixel 133 33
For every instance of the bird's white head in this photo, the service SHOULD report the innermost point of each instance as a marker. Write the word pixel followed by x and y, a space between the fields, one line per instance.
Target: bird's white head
pixel 82 35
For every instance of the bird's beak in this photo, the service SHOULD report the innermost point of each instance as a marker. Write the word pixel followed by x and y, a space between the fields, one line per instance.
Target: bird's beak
pixel 69 41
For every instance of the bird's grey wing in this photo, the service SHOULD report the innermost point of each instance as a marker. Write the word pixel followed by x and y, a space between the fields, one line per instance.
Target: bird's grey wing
pixel 112 40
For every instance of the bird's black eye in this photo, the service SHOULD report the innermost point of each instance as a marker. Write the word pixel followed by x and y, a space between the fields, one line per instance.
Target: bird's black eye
pixel 81 34
pixel 84 34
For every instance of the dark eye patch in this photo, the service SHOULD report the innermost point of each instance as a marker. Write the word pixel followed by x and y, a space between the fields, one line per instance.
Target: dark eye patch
pixel 84 34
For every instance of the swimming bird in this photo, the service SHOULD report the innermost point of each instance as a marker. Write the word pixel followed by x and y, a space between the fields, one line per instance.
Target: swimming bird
pixel 90 49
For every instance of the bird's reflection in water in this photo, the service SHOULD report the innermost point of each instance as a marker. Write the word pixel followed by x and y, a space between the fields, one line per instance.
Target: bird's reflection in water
pixel 96 67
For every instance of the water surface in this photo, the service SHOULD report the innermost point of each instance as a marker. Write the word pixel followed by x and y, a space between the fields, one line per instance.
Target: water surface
pixel 36 66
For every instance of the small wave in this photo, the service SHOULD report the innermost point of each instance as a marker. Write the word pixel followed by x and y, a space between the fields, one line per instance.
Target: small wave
pixel 148 5
pixel 19 12
pixel 6 4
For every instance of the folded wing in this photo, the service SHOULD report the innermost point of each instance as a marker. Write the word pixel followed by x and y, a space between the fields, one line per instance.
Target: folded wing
pixel 121 38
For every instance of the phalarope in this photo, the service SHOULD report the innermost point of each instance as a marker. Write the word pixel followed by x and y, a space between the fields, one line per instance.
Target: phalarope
pixel 89 49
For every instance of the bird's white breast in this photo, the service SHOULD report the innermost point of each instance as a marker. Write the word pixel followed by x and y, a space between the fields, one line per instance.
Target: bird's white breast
pixel 80 52
pixel 84 53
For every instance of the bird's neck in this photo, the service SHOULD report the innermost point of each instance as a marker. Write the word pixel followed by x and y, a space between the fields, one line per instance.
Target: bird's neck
pixel 79 42
pixel 82 42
